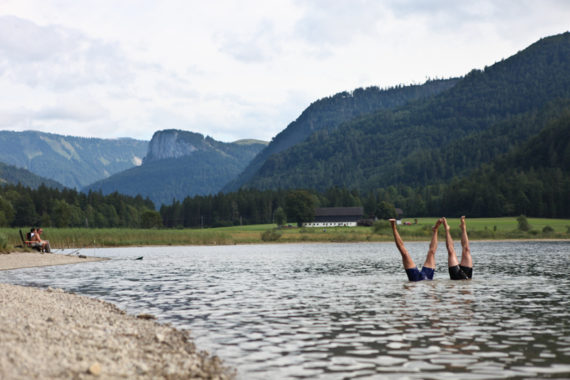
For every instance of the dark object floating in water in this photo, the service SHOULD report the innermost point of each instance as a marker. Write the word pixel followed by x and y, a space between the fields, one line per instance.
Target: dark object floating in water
pixel 146 316
pixel 139 258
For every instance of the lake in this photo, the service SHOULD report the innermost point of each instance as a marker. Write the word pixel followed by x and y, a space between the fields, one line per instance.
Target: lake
pixel 345 310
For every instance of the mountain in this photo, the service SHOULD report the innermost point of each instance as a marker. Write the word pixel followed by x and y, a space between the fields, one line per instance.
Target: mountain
pixel 533 179
pixel 12 175
pixel 72 161
pixel 430 140
pixel 180 164
pixel 328 113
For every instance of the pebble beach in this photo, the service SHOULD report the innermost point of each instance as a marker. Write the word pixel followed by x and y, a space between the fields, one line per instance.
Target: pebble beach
pixel 51 334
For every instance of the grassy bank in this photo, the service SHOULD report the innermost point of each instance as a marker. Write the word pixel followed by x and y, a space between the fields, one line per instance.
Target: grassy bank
pixel 479 229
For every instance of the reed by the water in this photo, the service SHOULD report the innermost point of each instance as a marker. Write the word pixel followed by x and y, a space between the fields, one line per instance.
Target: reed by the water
pixel 411 229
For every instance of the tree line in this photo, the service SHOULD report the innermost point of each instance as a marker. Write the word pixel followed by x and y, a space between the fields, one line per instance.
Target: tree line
pixel 21 206
pixel 489 192
pixel 533 180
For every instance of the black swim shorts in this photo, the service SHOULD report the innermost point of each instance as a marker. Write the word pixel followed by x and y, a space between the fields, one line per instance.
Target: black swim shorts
pixel 459 272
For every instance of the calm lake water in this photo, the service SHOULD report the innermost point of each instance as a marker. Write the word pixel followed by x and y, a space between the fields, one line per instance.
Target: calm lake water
pixel 345 310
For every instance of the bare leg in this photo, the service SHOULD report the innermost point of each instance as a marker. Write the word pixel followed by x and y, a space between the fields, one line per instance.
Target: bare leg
pixel 466 260
pixel 406 258
pixel 451 256
pixel 430 258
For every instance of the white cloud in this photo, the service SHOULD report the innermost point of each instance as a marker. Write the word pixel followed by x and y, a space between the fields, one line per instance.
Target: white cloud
pixel 236 69
pixel 56 57
pixel 334 23
pixel 80 111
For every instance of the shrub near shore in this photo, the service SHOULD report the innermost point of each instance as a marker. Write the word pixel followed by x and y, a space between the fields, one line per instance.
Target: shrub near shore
pixel 479 228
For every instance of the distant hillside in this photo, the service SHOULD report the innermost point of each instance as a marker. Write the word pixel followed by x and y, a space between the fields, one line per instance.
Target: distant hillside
pixel 12 175
pixel 72 161
pixel 431 140
pixel 328 113
pixel 180 164
pixel 533 179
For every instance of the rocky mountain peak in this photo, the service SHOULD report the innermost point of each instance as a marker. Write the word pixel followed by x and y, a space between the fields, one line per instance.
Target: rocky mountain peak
pixel 171 143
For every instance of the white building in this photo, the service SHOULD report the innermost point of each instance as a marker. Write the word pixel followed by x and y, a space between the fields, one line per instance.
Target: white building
pixel 336 217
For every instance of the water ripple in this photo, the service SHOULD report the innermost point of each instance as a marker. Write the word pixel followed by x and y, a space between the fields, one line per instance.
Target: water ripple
pixel 345 310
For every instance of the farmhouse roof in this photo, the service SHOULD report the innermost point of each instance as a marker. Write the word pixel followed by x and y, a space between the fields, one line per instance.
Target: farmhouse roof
pixel 339 211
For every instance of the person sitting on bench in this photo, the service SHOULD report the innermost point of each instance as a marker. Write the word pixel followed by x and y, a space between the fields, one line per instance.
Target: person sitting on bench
pixel 36 236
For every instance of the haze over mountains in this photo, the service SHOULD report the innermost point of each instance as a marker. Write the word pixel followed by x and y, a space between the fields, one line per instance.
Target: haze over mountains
pixel 72 161
pixel 365 139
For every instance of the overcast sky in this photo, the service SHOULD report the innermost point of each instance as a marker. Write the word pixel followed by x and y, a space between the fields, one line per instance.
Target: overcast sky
pixel 236 69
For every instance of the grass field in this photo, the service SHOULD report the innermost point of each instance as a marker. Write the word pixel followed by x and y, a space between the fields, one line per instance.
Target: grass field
pixel 479 229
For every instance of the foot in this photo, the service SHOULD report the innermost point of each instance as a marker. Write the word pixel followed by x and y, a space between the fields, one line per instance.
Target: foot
pixel 436 226
pixel 445 225
pixel 462 223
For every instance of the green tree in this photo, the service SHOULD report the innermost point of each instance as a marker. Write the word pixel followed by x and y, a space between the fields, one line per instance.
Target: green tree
pixel 25 213
pixel 280 216
pixel 523 223
pixel 300 206
pixel 61 214
pixel 151 219
pixel 6 213
pixel 385 210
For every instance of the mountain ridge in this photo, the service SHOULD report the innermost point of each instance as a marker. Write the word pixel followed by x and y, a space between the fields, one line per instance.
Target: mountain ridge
pixel 70 160
pixel 10 174
pixel 364 153
pixel 329 112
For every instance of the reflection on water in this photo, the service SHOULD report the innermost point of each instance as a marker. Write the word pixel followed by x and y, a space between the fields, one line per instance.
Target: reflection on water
pixel 345 310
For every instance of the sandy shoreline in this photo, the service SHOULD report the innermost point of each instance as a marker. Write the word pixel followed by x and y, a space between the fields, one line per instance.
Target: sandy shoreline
pixel 50 334
pixel 16 260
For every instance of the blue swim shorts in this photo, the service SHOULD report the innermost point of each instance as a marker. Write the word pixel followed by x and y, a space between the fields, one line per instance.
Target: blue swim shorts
pixel 415 275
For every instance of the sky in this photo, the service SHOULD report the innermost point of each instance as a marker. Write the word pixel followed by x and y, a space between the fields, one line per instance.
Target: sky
pixel 237 69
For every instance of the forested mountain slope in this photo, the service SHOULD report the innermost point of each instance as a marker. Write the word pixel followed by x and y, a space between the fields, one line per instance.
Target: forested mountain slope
pixel 12 175
pixel 181 164
pixel 533 179
pixel 330 112
pixel 71 161
pixel 485 114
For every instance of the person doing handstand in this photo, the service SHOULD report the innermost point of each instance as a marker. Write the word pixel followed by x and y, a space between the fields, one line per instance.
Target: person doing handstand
pixel 428 269
pixel 458 270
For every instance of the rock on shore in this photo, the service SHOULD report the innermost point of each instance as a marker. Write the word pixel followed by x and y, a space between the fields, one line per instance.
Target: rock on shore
pixel 50 334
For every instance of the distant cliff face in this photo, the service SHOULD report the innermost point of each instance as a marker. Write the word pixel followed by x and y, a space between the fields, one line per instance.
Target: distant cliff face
pixel 172 143
pixel 180 164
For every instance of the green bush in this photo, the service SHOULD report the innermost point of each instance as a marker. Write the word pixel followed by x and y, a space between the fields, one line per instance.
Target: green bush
pixel 3 243
pixel 270 235
pixel 523 223
pixel 547 230
pixel 381 226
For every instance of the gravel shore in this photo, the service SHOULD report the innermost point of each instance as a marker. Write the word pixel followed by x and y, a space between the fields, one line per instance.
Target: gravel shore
pixel 50 334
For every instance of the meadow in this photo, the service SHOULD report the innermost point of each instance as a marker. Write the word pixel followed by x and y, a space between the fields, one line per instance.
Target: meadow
pixel 411 229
